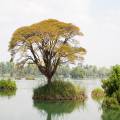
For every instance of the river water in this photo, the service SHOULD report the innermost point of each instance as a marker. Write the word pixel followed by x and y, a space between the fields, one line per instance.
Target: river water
pixel 21 106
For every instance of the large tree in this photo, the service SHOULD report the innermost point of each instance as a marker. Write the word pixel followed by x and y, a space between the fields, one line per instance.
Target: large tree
pixel 47 44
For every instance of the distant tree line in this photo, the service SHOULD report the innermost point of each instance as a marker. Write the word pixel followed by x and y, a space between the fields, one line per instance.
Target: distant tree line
pixel 8 69
pixel 83 71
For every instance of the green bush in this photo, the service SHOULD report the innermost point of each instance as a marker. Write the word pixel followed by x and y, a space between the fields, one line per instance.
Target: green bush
pixel 110 102
pixel 111 87
pixel 97 93
pixel 59 90
pixel 7 85
pixel 117 95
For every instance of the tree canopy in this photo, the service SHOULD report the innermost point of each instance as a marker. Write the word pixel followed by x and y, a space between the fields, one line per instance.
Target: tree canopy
pixel 48 44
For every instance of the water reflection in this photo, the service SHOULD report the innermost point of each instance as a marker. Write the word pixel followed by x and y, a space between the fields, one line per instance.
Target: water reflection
pixel 22 107
pixel 7 93
pixel 98 99
pixel 111 115
pixel 58 108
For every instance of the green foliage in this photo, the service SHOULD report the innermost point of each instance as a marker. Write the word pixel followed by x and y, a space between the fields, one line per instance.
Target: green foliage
pixel 59 90
pixel 77 73
pixel 111 86
pixel 97 94
pixel 7 85
pixel 110 102
pixel 117 95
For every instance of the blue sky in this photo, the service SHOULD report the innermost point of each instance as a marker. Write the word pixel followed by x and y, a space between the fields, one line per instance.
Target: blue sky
pixel 99 20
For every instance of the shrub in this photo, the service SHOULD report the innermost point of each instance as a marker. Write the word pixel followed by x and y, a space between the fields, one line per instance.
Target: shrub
pixel 59 90
pixel 7 85
pixel 112 84
pixel 111 87
pixel 110 102
pixel 117 95
pixel 97 93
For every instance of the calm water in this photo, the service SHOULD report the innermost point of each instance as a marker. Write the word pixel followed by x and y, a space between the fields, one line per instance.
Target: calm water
pixel 21 106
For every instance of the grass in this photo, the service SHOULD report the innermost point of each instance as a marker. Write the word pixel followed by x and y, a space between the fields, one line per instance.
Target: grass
pixel 59 90
pixel 97 94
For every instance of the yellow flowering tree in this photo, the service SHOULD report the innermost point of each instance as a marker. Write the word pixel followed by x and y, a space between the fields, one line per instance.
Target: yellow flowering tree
pixel 47 44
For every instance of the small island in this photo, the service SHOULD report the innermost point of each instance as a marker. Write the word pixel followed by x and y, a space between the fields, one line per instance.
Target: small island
pixel 59 90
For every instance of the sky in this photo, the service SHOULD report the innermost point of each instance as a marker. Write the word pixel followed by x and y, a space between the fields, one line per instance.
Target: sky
pixel 99 20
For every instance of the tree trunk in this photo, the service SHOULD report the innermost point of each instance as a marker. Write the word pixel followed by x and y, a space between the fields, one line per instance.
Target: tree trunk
pixel 48 73
pixel 49 80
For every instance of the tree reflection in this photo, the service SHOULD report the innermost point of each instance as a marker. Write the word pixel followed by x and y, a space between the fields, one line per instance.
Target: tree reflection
pixel 58 108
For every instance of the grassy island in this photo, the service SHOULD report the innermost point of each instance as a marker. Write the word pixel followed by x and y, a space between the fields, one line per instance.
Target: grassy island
pixel 59 90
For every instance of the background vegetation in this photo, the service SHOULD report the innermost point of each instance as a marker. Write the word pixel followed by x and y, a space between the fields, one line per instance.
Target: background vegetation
pixel 8 69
